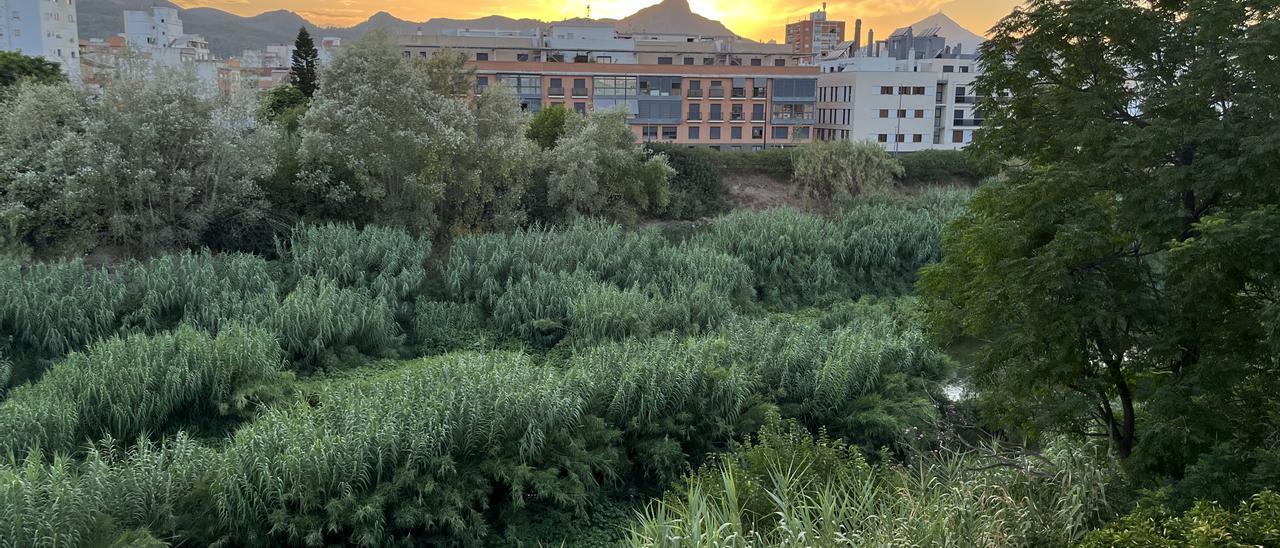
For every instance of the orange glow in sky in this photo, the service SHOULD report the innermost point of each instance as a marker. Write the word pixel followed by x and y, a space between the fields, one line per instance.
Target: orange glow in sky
pixel 757 19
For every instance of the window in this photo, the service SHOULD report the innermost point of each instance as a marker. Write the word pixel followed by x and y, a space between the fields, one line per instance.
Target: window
pixel 902 137
pixel 801 133
pixel 669 133
pixel 556 87
pixel 883 138
pixel 780 133
pixel 580 108
pixel 918 90
pixel 957 136
pixel 959 114
pixel 884 113
pixel 960 91
pixel 964 68
pixel 482 57
pixel 792 111
pixel 904 90
pixel 919 113
pixel 757 113
pixel 649 132
pixel 695 112
pixel 794 87
pixel 708 60
pixel 688 60
pixel 664 60
pixel 779 62
pixel 523 84
pixel 695 89
pixel 756 61
pixel 735 132
pixel 736 113
pixel 717 90
pixel 757 132
pixel 902 113
pixel 886 90
pixel 948 68
pixel 715 134
pixel 695 133
pixel 717 113
pixel 522 57
pixel 579 87
pixel 917 138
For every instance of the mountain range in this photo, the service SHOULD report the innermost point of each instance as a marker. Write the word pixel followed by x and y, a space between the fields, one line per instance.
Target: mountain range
pixel 230 34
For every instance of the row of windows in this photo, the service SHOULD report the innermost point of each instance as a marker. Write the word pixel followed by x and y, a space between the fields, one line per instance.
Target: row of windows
pixel 957 136
pixel 952 68
pixel 835 93
pixel 902 113
pixel 716 133
pixel 902 90
pixel 731 61
pixel 835 116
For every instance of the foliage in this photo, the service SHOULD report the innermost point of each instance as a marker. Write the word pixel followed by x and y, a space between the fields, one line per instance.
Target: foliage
pixel 1207 524
pixel 384 142
pixel 548 126
pixel 774 162
pixel 421 452
pixel 127 387
pixel 1122 283
pixel 302 70
pixel 788 488
pixel 697 190
pixel 154 163
pixel 598 169
pixel 322 325
pixel 284 105
pixel 449 73
pixel 16 67
pixel 834 172
pixel 942 167
pixel 388 262
pixel 103 501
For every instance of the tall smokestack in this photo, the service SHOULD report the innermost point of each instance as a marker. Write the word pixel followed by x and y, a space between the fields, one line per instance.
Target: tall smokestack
pixel 857 34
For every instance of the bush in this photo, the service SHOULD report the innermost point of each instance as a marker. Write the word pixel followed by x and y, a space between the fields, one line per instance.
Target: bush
pixel 942 167
pixel 203 290
pixel 443 452
pixel 105 500
pixel 1254 523
pixel 323 326
pixel 697 190
pixel 127 387
pixel 774 162
pixel 788 488
pixel 388 262
pixel 835 172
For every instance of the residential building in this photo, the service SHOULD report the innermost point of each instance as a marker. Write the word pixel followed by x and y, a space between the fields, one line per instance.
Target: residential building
pixel 910 92
pixel 725 107
pixel 42 28
pixel 815 35
pixel 160 36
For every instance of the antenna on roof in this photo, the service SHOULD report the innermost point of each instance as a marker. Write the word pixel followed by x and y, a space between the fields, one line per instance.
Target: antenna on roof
pixel 588 11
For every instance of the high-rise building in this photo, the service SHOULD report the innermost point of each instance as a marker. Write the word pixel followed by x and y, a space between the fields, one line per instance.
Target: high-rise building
pixel 909 93
pixel 42 28
pixel 816 35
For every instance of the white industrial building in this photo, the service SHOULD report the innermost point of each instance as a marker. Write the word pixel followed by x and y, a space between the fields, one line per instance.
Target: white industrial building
pixel 910 92
pixel 42 28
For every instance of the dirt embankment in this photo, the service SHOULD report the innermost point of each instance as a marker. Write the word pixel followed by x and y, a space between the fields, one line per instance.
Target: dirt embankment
pixel 754 191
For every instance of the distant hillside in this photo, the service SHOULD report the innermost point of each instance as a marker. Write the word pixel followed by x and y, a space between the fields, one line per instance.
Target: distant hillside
pixel 230 34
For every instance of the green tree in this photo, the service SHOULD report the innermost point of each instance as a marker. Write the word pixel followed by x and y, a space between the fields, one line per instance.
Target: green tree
pixel 548 126
pixel 835 172
pixel 599 169
pixel 302 72
pixel 16 66
pixel 449 73
pixel 284 105
pixel 1123 283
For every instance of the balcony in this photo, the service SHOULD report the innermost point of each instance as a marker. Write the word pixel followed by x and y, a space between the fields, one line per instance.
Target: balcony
pixel 737 117
pixel 759 93
pixel 695 94
pixel 715 117
pixel 555 92
pixel 579 92
pixel 739 93
pixel 967 100
pixel 716 93
pixel 966 122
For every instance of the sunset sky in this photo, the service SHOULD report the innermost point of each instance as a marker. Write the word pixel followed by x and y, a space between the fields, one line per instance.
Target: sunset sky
pixel 757 19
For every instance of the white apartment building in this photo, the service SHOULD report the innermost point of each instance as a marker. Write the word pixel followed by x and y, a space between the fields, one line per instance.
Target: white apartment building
pixel 42 28
pixel 159 33
pixel 905 99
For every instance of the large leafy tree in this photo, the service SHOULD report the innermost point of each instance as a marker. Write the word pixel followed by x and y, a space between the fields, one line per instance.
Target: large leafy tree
pixel 1123 281
pixel 16 66
pixel 156 162
pixel 385 142
pixel 836 172
pixel 306 59
pixel 598 168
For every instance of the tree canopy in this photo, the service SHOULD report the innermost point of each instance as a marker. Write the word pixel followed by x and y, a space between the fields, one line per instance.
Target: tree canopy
pixel 16 66
pixel 1123 281
pixel 306 59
